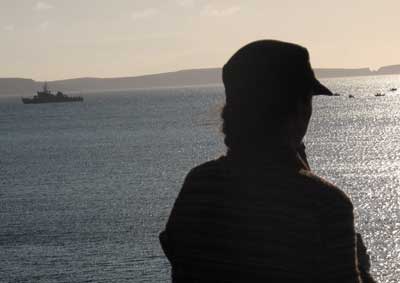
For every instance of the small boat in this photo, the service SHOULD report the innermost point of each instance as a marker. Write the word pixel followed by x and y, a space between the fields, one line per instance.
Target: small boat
pixel 336 94
pixel 351 96
pixel 379 94
pixel 393 89
pixel 46 96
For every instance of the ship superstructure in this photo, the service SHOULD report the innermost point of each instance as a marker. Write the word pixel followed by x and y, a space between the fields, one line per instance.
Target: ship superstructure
pixel 46 96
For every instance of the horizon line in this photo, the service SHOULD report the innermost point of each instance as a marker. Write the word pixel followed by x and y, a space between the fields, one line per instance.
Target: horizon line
pixel 182 70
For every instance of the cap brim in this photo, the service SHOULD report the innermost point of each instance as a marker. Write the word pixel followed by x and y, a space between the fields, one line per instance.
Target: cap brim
pixel 320 89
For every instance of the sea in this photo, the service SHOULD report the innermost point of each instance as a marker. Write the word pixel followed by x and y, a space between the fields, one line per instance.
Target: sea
pixel 86 187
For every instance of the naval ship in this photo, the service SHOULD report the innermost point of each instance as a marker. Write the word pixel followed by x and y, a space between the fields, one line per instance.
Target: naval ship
pixel 46 96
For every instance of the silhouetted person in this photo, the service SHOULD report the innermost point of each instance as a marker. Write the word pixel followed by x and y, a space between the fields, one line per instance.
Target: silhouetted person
pixel 259 214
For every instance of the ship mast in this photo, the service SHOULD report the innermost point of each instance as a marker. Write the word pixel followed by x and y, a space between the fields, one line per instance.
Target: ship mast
pixel 45 89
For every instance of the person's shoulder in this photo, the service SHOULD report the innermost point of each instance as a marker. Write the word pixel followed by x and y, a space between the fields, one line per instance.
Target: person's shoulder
pixel 202 179
pixel 208 169
pixel 325 192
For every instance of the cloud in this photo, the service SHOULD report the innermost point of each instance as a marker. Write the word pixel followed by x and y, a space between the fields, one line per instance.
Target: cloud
pixel 9 28
pixel 43 26
pixel 144 14
pixel 210 10
pixel 42 6
pixel 185 3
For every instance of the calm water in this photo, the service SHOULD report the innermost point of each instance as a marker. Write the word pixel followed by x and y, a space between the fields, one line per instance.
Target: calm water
pixel 86 187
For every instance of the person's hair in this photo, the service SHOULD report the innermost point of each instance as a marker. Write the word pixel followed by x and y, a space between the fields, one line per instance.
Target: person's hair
pixel 260 117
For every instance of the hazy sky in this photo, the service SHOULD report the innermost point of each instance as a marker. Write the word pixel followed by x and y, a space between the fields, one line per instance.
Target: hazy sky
pixel 57 39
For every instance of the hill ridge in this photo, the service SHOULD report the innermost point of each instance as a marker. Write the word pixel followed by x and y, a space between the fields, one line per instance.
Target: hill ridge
pixel 200 76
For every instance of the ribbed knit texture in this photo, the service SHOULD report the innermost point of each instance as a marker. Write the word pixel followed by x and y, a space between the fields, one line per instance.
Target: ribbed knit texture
pixel 237 220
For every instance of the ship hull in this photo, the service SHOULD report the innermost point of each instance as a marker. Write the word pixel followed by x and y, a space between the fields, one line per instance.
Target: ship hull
pixel 55 100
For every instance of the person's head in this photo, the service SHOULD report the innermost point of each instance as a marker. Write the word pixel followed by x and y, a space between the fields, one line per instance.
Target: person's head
pixel 269 86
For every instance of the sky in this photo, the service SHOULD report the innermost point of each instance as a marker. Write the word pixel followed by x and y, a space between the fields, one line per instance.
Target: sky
pixel 60 39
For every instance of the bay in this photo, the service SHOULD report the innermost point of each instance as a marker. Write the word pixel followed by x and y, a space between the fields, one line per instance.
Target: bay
pixel 85 188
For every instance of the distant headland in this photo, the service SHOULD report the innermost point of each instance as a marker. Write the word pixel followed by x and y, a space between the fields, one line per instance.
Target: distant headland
pixel 20 86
